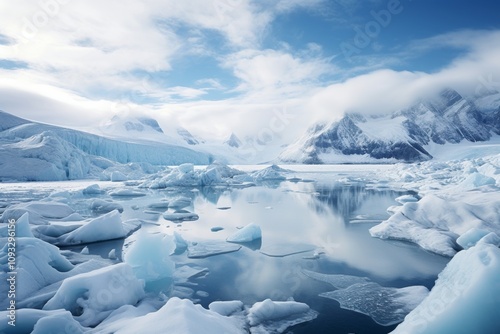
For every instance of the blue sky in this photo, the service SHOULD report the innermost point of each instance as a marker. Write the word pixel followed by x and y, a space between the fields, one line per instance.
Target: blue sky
pixel 209 64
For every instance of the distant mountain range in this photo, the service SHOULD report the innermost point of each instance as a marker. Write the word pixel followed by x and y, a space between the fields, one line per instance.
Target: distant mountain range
pixel 401 135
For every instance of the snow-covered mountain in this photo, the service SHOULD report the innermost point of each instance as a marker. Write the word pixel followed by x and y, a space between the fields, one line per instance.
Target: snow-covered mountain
pixel 399 136
pixel 35 151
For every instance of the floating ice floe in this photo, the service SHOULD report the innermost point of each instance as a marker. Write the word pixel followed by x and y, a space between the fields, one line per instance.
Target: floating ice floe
pixel 27 318
pixel 226 308
pixel 118 177
pixel 248 233
pixel 92 296
pixel 40 212
pixel 104 206
pixel 93 189
pixel 185 273
pixel 386 306
pixel 186 176
pixel 436 221
pixel 275 317
pixel 106 227
pixel 180 216
pixel 180 316
pixel 271 173
pixel 464 298
pixel 149 257
pixel 211 248
pixel 127 193
pixel 180 202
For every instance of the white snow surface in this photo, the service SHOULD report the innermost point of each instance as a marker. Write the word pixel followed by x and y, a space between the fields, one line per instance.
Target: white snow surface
pixel 464 299
pixel 437 220
pixel 92 296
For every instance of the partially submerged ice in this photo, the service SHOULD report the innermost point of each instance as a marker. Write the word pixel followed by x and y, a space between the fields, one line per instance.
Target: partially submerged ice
pixel 386 306
pixel 465 298
pixel 436 221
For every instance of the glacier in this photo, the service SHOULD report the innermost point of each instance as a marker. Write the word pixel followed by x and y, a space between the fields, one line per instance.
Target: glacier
pixel 31 151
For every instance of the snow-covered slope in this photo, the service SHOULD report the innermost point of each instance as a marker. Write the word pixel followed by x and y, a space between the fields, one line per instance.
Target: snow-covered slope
pixel 402 135
pixel 34 151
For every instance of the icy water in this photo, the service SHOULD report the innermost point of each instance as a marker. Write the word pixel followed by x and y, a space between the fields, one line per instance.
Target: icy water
pixel 319 226
pixel 331 219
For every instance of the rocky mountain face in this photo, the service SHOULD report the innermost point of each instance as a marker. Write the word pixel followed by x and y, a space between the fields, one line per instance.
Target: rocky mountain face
pixel 398 136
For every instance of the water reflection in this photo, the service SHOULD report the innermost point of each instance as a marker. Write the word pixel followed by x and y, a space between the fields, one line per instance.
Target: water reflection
pixel 298 215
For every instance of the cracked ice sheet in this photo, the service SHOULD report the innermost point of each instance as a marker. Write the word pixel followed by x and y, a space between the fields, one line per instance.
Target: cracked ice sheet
pixel 386 306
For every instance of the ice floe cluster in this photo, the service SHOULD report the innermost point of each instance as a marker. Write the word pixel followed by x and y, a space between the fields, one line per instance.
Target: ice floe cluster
pixel 140 287
pixel 455 197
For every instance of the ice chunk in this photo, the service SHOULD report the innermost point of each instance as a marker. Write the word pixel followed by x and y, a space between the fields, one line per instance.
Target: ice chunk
pixel 184 273
pixel 436 221
pixel 105 227
pixel 386 306
pixel 226 308
pixel 93 189
pixel 63 321
pixel 275 317
pixel 40 212
pixel 102 206
pixel 271 173
pixel 248 233
pixel 22 228
pixel 336 280
pixel 180 215
pixel 179 316
pixel 476 180
pixel 491 238
pixel 85 251
pixel 126 193
pixel 210 248
pixel 471 237
pixel 149 256
pixel 39 264
pixel 216 228
pixel 202 294
pixel 406 198
pixel 117 176
pixel 180 203
pixel 25 320
pixel 112 254
pixel 186 168
pixel 159 205
pixel 464 299
pixel 180 244
pixel 92 296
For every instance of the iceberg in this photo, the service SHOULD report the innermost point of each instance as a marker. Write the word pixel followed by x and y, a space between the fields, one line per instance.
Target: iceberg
pixel 106 227
pixel 248 233
pixel 39 264
pixel 464 298
pixel 149 257
pixel 275 316
pixel 180 316
pixel 180 216
pixel 226 308
pixel 103 206
pixel 437 220
pixel 39 212
pixel 92 296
